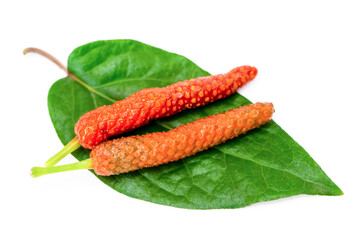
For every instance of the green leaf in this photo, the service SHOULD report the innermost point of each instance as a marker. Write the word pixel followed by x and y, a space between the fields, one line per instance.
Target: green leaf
pixel 263 165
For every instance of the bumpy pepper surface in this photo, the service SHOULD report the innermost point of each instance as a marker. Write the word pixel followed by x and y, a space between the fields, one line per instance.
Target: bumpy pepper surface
pixel 139 108
pixel 136 152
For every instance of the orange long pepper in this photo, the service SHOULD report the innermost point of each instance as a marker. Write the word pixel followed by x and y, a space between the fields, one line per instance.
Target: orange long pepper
pixel 135 152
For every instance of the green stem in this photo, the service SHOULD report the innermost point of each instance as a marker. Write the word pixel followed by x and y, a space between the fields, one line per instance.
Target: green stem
pixel 39 171
pixel 69 148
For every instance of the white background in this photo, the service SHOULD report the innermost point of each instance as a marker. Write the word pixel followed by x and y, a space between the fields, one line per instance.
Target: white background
pixel 308 57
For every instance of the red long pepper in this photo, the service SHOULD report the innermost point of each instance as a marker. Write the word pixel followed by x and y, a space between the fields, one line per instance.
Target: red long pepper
pixel 139 108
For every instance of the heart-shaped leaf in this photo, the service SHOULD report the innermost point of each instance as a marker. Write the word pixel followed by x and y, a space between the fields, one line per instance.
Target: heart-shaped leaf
pixel 263 165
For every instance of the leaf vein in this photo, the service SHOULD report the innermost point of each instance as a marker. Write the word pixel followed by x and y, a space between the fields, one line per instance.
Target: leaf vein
pixel 122 80
pixel 162 188
pixel 227 171
pixel 272 167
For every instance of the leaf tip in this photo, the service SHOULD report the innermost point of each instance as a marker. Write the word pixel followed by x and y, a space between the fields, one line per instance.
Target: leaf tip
pixel 340 192
pixel 337 191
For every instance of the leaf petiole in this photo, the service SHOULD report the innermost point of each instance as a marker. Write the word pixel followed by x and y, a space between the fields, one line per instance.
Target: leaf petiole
pixel 39 171
pixel 60 65
pixel 46 55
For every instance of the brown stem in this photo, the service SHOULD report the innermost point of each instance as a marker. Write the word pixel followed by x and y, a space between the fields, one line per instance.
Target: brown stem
pixel 48 56
pixel 60 65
